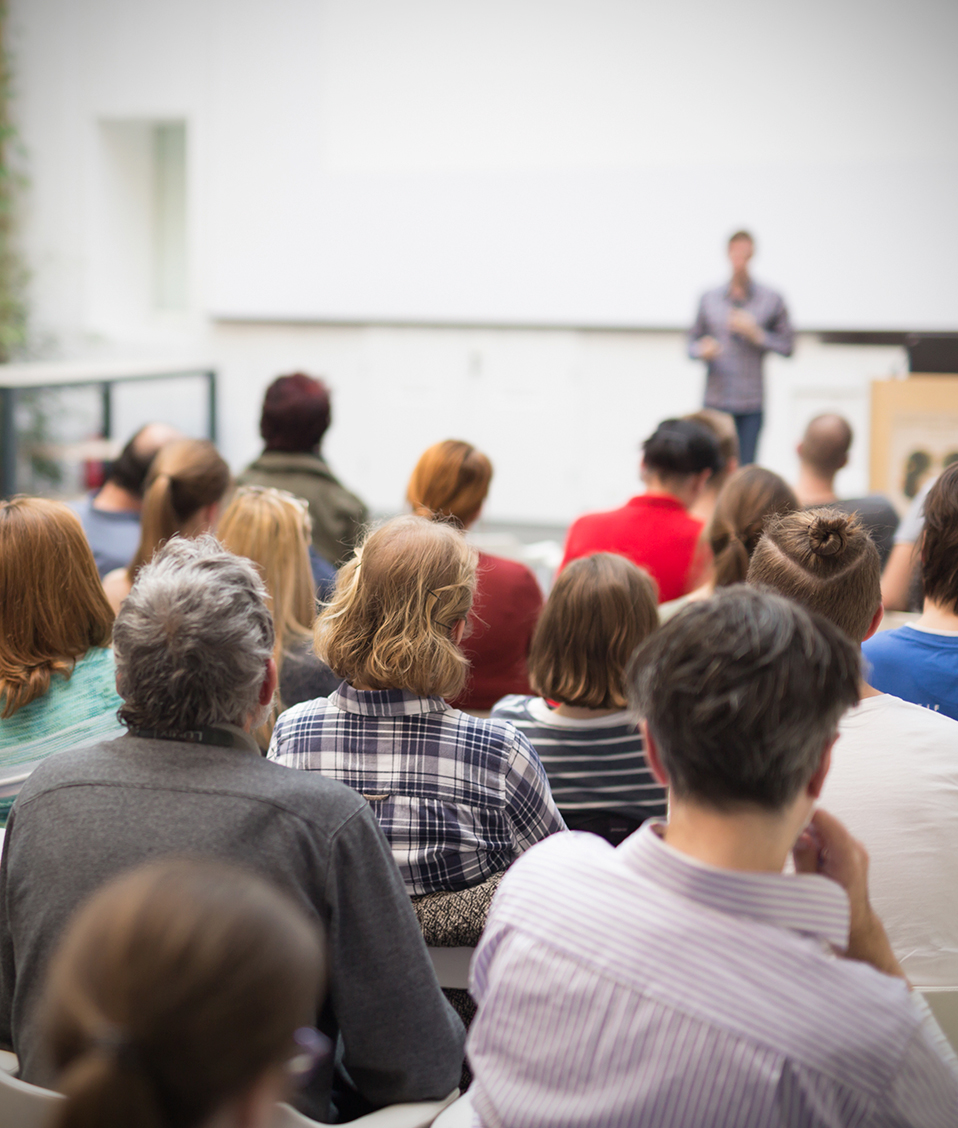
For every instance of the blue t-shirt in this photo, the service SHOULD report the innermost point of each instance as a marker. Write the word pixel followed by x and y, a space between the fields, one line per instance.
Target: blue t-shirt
pixel 917 666
pixel 114 536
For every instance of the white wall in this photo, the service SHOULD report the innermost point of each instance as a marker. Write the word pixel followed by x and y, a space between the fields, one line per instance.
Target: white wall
pixel 550 104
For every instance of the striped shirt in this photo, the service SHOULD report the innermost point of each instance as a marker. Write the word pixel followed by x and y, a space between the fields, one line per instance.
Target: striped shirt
pixel 593 764
pixel 638 987
pixel 458 798
pixel 76 710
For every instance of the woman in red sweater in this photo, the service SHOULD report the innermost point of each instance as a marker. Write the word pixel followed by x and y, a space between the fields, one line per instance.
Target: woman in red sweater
pixel 451 481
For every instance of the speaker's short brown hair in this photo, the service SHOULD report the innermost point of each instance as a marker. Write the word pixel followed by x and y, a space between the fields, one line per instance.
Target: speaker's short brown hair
pixel 824 560
pixel 939 542
pixel 599 610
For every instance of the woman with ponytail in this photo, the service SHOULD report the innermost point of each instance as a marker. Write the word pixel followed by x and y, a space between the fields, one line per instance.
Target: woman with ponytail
pixel 459 798
pixel 746 501
pixel 181 995
pixel 186 483
pixel 57 677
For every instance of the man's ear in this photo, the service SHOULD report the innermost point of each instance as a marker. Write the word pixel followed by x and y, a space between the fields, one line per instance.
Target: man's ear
pixel 652 755
pixel 817 782
pixel 268 688
pixel 875 623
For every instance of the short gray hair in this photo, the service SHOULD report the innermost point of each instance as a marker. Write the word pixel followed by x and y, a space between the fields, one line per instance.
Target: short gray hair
pixel 741 694
pixel 192 639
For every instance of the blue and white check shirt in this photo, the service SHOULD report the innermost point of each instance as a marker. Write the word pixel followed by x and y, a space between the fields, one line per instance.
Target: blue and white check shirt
pixel 459 798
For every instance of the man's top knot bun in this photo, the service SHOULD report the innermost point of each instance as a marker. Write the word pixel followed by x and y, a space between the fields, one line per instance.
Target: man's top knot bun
pixel 828 535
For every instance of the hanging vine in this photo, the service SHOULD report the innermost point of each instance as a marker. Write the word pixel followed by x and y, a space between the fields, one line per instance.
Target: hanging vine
pixel 13 273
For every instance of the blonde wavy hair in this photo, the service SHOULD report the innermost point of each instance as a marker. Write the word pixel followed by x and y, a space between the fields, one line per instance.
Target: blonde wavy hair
pixel 397 602
pixel 272 529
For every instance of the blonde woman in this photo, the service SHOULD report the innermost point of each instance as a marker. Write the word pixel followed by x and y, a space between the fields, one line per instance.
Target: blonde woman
pixel 57 677
pixel 272 529
pixel 184 487
pixel 459 798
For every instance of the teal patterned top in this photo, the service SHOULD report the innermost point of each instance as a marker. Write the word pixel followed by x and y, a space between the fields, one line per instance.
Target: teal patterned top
pixel 76 710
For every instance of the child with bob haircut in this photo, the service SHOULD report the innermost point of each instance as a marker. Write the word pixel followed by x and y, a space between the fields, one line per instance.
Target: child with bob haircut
pixel 601 608
pixel 459 798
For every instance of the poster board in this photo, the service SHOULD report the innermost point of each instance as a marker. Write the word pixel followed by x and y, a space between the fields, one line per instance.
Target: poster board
pixel 914 434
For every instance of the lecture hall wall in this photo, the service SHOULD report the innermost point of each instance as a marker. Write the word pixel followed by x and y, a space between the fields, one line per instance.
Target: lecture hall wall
pixel 487 220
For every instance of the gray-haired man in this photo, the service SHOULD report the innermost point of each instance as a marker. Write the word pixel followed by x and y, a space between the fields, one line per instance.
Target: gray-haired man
pixel 194 643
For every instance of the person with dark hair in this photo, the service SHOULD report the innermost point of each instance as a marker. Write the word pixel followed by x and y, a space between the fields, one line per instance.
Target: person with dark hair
pixel 599 610
pixel 194 646
pixel 182 995
pixel 822 452
pixel 736 325
pixel 682 979
pixel 450 482
pixel 296 415
pixel 919 661
pixel 894 777
pixel 655 530
pixel 111 516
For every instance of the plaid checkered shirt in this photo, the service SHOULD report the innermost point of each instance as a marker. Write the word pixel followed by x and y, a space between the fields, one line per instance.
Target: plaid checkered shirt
pixel 459 798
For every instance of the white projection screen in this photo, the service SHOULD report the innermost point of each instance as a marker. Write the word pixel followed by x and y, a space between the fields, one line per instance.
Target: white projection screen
pixel 582 162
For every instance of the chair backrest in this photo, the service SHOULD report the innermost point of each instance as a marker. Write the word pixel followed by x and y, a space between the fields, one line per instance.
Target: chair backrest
pixel 452 966
pixel 943 1002
pixel 25 1106
pixel 457 1115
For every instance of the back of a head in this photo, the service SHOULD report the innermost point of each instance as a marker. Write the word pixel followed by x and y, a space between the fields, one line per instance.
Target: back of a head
pixel 939 544
pixel 131 467
pixel 272 529
pixel 741 694
pixel 174 990
pixel 451 479
pixel 826 443
pixel 389 624
pixel 722 426
pixel 296 413
pixel 185 477
pixel 824 560
pixel 599 610
pixel 751 496
pixel 52 605
pixel 192 640
pixel 680 449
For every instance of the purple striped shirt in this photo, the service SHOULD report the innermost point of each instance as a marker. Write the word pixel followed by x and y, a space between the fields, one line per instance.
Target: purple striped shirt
pixel 637 987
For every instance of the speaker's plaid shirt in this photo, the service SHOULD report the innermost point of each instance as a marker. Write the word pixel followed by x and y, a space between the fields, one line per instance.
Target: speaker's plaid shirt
pixel 459 798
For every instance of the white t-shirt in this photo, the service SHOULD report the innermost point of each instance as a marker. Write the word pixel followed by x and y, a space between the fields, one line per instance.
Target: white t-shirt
pixel 894 783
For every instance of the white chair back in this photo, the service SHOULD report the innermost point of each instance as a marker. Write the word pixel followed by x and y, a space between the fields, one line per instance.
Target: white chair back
pixel 25 1106
pixel 943 1002
pixel 419 1114
pixel 457 1115
pixel 452 966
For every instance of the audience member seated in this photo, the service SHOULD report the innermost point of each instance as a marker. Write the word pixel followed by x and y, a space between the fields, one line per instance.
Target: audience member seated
pixel 459 798
pixel 296 415
pixel 919 661
pixel 751 496
pixel 901 576
pixel 894 777
pixel 822 452
pixel 182 995
pixel 194 656
pixel 598 612
pixel 271 528
pixel 451 480
pixel 682 980
pixel 57 678
pixel 654 530
pixel 186 483
pixel 722 426
pixel 111 515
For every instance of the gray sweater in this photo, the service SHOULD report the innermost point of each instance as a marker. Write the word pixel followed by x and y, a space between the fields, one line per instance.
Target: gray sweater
pixel 83 816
